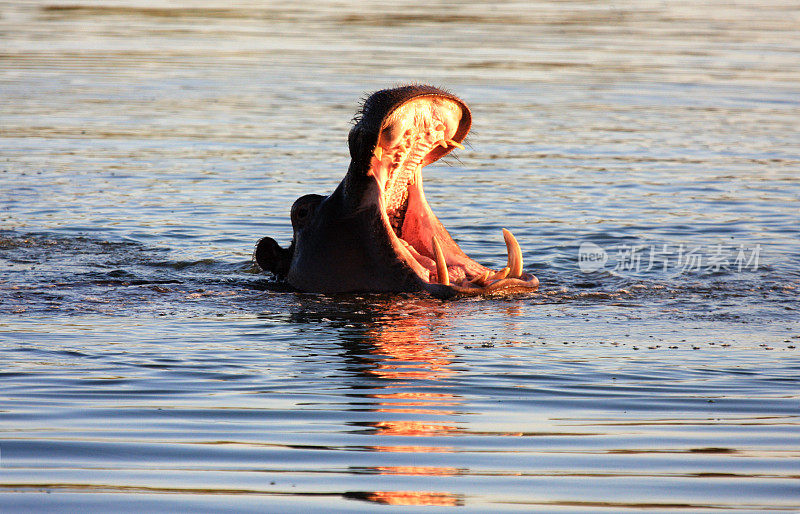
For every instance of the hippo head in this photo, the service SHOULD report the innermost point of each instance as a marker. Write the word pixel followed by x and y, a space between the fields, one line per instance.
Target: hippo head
pixel 376 232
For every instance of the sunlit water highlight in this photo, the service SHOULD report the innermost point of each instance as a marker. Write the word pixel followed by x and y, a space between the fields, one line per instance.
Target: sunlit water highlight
pixel 146 365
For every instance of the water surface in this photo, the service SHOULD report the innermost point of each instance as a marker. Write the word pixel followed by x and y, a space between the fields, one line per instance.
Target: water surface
pixel 147 365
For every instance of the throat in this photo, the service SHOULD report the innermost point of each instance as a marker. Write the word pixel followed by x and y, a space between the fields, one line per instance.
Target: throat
pixel 398 215
pixel 401 176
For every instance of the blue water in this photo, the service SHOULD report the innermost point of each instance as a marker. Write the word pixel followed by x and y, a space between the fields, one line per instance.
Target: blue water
pixel 147 365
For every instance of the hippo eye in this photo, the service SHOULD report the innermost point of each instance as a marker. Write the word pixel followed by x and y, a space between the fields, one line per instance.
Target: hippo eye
pixel 304 208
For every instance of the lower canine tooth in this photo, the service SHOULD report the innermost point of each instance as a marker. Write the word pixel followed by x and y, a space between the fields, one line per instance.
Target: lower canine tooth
pixel 514 255
pixel 456 144
pixel 378 152
pixel 441 265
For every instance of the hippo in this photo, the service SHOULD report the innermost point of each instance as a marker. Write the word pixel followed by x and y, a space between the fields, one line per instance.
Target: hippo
pixel 376 232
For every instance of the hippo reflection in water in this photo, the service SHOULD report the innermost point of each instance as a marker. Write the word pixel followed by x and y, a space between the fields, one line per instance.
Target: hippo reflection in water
pixel 376 232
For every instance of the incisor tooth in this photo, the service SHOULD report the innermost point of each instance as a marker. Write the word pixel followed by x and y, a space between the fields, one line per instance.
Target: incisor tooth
pixel 456 144
pixel 441 265
pixel 514 255
pixel 481 280
pixel 378 152
pixel 503 273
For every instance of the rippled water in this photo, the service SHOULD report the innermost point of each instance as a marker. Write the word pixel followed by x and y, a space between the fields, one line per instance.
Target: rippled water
pixel 145 147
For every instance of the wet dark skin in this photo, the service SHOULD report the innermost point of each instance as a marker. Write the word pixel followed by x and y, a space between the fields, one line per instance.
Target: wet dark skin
pixel 376 232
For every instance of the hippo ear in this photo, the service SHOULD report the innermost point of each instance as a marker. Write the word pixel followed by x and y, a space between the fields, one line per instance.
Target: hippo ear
pixel 354 142
pixel 271 257
pixel 361 143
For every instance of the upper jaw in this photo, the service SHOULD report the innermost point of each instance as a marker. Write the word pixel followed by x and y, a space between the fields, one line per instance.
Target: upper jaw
pixel 384 108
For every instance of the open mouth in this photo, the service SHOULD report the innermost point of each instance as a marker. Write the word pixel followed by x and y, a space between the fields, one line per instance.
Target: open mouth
pixel 416 133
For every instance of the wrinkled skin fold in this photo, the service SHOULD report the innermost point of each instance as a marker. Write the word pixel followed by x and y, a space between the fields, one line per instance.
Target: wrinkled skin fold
pixel 376 231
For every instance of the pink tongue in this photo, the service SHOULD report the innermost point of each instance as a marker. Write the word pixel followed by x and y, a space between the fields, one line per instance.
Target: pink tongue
pixel 457 273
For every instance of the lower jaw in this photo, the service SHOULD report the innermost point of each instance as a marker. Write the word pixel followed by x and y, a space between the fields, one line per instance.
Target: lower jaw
pixel 503 287
pixel 439 279
pixel 421 247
